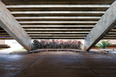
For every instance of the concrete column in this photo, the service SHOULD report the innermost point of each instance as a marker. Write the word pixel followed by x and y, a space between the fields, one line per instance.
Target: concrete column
pixel 13 28
pixel 107 22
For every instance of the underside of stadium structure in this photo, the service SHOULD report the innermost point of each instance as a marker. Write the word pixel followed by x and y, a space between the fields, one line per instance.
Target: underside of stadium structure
pixel 91 20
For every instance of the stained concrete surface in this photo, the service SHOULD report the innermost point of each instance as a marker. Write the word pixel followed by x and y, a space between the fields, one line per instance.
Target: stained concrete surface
pixel 58 64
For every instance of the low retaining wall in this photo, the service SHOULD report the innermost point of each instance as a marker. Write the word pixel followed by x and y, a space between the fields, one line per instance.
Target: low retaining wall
pixel 73 50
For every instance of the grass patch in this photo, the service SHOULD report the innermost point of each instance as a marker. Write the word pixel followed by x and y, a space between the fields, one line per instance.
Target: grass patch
pixel 22 49
pixel 3 48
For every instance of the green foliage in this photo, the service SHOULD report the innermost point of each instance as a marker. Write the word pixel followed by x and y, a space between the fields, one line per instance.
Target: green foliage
pixel 36 45
pixel 56 44
pixel 103 44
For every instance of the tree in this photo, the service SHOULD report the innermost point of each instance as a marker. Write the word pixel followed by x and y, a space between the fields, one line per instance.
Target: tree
pixel 103 44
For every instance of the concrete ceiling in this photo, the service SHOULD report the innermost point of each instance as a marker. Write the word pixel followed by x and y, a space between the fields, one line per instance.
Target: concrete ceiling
pixel 58 19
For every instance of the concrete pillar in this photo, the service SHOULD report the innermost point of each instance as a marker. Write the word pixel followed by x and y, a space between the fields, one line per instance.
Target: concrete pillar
pixel 13 28
pixel 107 22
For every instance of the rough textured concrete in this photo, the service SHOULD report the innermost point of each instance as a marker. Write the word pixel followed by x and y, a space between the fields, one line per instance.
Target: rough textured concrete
pixel 49 19
pixel 11 26
pixel 107 22
pixel 31 2
pixel 58 64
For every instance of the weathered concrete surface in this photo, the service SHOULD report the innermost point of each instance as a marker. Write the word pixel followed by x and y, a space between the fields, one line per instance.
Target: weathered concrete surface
pixel 58 64
pixel 10 25
pixel 107 22
pixel 32 2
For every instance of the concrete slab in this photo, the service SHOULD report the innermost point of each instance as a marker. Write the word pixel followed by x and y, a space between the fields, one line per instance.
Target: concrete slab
pixel 106 72
pixel 10 65
pixel 58 64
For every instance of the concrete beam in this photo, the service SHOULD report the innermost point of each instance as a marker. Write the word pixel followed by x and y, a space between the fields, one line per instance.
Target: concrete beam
pixel 68 32
pixel 58 12
pixel 47 2
pixel 112 33
pixel 58 6
pixel 110 36
pixel 61 17
pixel 36 29
pixel 107 22
pixel 11 26
pixel 58 22
pixel 57 37
pixel 57 26
pixel 5 38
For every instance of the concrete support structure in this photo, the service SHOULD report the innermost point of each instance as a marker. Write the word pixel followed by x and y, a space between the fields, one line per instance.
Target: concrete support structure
pixel 107 22
pixel 11 26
